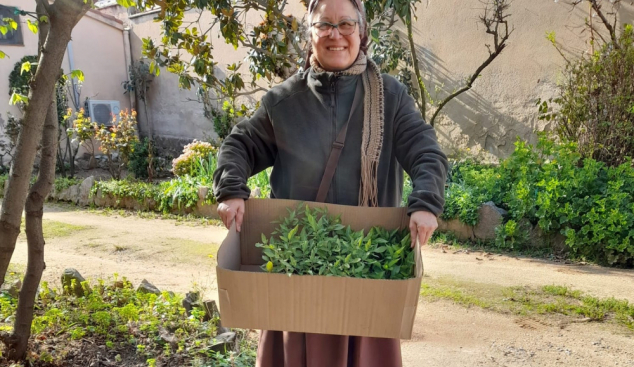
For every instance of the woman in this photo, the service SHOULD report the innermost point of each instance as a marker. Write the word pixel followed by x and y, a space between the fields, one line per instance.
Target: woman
pixel 294 130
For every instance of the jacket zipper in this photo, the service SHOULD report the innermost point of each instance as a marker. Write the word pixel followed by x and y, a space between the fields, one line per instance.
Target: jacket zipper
pixel 333 93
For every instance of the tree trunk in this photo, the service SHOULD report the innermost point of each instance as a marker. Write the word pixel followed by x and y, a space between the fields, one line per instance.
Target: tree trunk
pixel 35 239
pixel 42 123
pixel 63 16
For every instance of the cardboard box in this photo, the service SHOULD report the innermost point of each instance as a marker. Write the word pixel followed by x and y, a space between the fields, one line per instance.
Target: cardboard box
pixel 252 299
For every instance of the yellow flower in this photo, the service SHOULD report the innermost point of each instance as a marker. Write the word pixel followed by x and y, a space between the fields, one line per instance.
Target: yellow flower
pixel 269 266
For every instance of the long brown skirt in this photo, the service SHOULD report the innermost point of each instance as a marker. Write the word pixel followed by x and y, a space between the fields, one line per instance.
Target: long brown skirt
pixel 285 349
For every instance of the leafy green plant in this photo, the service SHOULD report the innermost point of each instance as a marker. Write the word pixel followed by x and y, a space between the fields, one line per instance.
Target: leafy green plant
pixel 312 242
pixel 142 159
pixel 19 78
pixel 511 235
pixel 224 120
pixel 114 314
pixel 119 138
pixel 189 163
pixel 551 186
pixel 595 105
pixel 81 132
pixel 408 187
pixel 261 182
pixel 178 193
pixel 62 183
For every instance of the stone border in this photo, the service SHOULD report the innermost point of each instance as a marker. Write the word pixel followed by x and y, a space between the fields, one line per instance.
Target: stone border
pixel 80 195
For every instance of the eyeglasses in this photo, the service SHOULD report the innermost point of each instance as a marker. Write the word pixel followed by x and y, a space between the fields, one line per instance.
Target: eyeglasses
pixel 345 27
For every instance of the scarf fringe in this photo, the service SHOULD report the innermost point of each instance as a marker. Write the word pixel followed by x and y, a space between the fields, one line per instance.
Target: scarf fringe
pixel 373 124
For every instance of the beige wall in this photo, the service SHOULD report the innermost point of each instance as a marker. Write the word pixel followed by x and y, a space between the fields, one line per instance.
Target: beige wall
pixel 501 104
pixel 175 114
pixel 451 41
pixel 97 50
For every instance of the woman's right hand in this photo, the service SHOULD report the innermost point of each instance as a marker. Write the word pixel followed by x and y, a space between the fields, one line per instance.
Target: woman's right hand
pixel 230 210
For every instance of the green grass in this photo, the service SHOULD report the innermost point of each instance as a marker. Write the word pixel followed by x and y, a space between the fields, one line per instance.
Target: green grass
pixel 548 300
pixel 55 229
pixel 192 247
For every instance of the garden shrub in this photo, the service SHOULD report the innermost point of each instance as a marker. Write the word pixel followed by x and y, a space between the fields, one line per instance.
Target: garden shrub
pixel 62 183
pixel 143 155
pixel 595 106
pixel 552 186
pixel 120 139
pixel 224 120
pixel 178 193
pixel 18 80
pixel 189 162
pixel 129 323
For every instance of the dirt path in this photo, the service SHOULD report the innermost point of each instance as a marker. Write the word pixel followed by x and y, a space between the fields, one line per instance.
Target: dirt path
pixel 176 257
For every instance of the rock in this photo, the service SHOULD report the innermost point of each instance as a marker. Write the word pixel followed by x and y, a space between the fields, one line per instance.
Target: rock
pixel 84 191
pixel 64 195
pixel 83 164
pixel 68 276
pixel 211 311
pixel 202 193
pixel 104 201
pixel 191 301
pixel 13 289
pixel 224 342
pixel 73 193
pixel 206 210
pixel 460 230
pixel 168 338
pixel 489 217
pixel 147 287
pixel 256 193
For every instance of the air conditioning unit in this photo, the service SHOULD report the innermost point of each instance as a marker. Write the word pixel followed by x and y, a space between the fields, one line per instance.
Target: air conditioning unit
pixel 102 112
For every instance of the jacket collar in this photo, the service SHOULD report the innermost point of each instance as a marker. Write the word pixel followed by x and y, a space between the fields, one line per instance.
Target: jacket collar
pixel 323 82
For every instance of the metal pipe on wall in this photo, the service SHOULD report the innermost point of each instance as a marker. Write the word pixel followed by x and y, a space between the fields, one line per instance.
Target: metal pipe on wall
pixel 128 59
pixel 71 65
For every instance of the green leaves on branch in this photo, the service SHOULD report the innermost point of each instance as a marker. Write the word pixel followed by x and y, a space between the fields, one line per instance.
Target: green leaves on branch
pixel 78 74
pixel 312 242
pixel 126 3
pixel 17 98
pixel 275 46
pixel 26 66
pixel 154 69
pixel 33 26
pixel 9 24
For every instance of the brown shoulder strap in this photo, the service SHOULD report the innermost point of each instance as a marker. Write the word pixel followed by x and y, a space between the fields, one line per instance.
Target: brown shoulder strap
pixel 337 148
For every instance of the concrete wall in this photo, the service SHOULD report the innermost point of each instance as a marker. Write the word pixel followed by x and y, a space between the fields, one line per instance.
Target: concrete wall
pixel 451 41
pixel 501 105
pixel 97 49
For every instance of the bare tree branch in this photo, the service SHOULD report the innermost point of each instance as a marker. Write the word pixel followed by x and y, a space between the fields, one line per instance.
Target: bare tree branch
pixel 495 19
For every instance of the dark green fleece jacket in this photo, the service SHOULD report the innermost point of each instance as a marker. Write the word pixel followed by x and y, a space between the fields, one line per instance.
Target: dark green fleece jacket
pixel 295 127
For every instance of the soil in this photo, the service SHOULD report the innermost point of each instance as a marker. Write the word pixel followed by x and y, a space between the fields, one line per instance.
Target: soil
pixel 176 257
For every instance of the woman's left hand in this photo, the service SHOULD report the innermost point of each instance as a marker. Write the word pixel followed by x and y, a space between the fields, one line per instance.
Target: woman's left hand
pixel 422 225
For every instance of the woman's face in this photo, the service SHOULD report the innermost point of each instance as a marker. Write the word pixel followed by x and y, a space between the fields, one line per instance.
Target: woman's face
pixel 336 52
